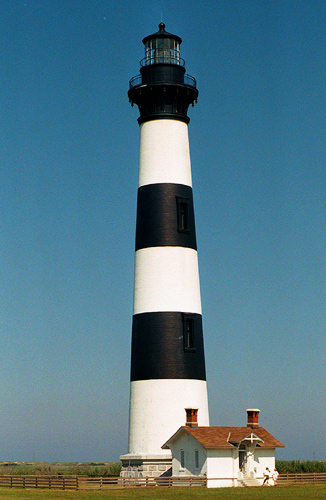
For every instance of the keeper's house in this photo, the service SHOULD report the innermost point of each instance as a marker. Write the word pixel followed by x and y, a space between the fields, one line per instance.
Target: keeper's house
pixel 227 456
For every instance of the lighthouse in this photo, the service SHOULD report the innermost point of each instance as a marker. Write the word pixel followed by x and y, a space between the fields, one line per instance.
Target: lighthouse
pixel 167 355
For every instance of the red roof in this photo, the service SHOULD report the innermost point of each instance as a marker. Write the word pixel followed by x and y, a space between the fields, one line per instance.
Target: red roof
pixel 227 437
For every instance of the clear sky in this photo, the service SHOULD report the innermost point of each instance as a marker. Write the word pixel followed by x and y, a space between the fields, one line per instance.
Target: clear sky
pixel 69 144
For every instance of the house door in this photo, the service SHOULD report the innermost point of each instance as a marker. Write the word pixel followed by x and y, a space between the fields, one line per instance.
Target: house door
pixel 242 458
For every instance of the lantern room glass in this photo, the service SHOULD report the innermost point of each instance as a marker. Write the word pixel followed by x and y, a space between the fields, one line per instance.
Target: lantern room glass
pixel 162 51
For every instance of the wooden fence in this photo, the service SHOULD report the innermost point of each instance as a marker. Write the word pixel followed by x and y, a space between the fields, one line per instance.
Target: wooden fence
pixel 48 482
pixel 98 483
pixel 302 478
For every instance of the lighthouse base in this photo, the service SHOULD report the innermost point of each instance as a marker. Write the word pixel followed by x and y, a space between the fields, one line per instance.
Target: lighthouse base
pixel 146 465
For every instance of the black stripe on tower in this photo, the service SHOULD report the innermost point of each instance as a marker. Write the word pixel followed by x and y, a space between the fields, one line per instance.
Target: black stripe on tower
pixel 167 345
pixel 165 216
pixel 161 92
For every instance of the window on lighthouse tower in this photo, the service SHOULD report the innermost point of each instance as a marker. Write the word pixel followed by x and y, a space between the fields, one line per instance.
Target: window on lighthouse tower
pixel 183 215
pixel 189 333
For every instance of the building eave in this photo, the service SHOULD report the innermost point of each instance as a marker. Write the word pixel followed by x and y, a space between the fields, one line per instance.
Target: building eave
pixel 227 437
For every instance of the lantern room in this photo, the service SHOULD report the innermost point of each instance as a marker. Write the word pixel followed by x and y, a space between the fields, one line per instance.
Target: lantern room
pixel 162 48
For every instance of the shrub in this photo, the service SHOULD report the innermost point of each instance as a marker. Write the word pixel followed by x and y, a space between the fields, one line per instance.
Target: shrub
pixel 297 466
pixel 92 469
pixel 115 468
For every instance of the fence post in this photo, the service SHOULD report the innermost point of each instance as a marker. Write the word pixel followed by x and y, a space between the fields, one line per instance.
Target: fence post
pixel 77 480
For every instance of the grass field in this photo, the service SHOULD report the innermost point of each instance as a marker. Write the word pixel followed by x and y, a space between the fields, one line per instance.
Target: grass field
pixel 317 492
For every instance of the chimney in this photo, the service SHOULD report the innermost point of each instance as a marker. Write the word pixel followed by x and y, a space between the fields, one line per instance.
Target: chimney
pixel 252 418
pixel 191 417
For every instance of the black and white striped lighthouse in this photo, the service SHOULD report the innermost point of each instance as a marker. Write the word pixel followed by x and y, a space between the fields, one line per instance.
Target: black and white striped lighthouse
pixel 167 359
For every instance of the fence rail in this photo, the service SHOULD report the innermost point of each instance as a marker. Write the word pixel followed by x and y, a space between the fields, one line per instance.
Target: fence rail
pixel 302 477
pixel 99 483
pixel 47 482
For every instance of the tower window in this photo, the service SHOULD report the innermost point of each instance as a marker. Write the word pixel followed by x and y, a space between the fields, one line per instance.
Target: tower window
pixel 189 333
pixel 183 215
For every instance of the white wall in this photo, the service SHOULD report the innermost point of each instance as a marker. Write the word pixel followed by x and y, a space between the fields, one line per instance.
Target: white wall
pixel 188 444
pixel 162 278
pixel 222 467
pixel 264 457
pixel 157 410
pixel 219 465
pixel 166 159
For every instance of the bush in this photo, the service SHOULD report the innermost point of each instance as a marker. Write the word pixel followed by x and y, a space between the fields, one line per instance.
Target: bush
pixel 115 468
pixel 91 469
pixel 297 466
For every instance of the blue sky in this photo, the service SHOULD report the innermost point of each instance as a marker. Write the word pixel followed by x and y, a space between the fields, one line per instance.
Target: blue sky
pixel 68 180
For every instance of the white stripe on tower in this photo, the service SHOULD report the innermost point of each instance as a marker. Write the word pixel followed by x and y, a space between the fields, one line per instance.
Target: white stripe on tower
pixel 157 409
pixel 164 153
pixel 162 278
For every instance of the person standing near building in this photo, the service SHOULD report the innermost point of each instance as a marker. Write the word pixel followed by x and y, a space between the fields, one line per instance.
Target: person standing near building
pixel 275 477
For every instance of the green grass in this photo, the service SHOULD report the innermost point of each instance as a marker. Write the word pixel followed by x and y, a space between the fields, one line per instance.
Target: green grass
pixel 314 492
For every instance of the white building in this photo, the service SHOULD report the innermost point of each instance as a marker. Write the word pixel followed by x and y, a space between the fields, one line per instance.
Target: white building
pixel 227 456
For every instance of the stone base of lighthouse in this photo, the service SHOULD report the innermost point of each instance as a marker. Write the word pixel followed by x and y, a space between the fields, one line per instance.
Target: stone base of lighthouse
pixel 146 466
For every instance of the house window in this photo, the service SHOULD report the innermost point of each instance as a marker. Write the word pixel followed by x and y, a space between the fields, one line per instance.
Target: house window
pixel 183 215
pixel 182 459
pixel 189 333
pixel 196 459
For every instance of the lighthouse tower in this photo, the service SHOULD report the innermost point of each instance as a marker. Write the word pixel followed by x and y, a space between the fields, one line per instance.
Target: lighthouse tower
pixel 167 358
